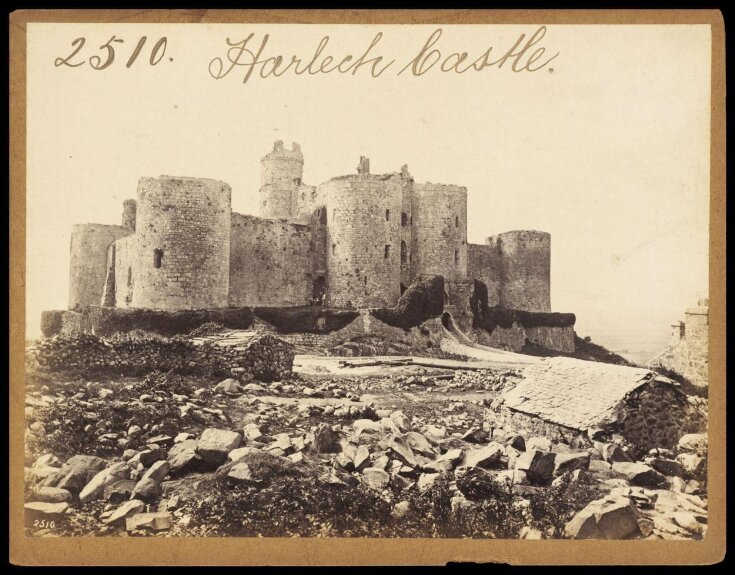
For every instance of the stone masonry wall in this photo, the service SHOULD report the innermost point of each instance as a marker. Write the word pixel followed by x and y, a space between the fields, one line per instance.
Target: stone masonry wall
pixel 88 265
pixel 363 240
pixel 182 255
pixel 270 262
pixel 484 264
pixel 125 269
pixel 439 230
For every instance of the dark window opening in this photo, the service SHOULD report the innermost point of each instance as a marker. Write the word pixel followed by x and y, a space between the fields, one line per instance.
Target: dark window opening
pixel 456 257
pixel 387 215
pixel 130 277
pixel 157 257
pixel 334 249
pixel 387 251
pixel 404 252
pixel 403 288
pixel 297 181
pixel 456 221
pixel 404 219
pixel 365 280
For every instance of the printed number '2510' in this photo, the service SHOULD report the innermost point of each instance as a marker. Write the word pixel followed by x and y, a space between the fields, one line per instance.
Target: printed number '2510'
pixel 108 53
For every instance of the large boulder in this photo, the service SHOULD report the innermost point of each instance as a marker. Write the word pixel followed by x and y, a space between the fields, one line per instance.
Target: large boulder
pixel 538 465
pixel 639 474
pixel 486 456
pixel 607 518
pixel 564 462
pixel 214 445
pixel 326 440
pixel 78 471
pixel 668 467
pixel 184 458
pixel 96 487
pixel 149 486
pixel 125 510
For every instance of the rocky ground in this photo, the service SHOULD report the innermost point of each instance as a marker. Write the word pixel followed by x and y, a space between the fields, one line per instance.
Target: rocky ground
pixel 416 454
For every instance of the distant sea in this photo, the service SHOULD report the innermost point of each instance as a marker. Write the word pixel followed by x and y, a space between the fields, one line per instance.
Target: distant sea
pixel 635 347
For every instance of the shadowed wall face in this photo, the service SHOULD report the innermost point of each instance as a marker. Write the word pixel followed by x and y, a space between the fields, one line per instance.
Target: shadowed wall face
pixel 526 270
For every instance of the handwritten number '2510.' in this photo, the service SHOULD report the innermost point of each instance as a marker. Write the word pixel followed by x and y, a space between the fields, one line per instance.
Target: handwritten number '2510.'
pixel 107 57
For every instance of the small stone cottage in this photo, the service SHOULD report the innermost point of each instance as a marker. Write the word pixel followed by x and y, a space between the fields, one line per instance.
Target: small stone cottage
pixel 563 398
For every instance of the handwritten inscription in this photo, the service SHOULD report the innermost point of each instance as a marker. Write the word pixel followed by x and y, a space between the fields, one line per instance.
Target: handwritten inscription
pixel 253 57
pixel 74 60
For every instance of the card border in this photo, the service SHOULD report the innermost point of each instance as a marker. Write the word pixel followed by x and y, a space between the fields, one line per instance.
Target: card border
pixel 345 551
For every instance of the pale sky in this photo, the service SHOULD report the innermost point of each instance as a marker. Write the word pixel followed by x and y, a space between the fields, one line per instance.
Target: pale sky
pixel 609 152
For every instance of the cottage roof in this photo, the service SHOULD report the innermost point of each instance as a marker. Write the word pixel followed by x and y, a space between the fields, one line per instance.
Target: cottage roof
pixel 575 393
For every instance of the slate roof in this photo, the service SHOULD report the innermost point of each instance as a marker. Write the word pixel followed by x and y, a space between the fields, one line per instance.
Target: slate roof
pixel 574 393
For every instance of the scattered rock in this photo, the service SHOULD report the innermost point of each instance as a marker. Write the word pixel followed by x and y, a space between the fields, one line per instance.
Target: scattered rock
pixel 484 456
pixel 693 443
pixel 426 480
pixel 326 440
pixel 538 465
pixel 639 474
pixel 158 521
pixel 124 511
pixel 565 462
pixel 375 478
pixel 668 467
pixel 52 495
pixel 96 486
pixel 214 445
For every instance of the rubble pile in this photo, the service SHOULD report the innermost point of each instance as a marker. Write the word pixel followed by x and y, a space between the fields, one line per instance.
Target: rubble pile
pixel 265 357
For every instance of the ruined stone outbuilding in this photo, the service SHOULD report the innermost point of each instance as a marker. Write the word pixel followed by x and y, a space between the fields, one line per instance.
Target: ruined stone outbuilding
pixel 563 398
pixel 355 241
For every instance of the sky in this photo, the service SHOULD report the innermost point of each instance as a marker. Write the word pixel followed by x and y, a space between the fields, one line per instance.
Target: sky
pixel 606 148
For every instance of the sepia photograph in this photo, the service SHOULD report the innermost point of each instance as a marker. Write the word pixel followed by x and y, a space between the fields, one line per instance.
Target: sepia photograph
pixel 367 280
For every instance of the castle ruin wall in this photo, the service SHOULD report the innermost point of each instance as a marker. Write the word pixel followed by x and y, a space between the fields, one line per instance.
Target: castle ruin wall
pixel 270 262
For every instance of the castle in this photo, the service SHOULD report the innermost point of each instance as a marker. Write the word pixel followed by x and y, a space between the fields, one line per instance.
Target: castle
pixel 354 241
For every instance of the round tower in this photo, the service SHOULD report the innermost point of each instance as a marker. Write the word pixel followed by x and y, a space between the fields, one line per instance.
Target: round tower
pixel 439 230
pixel 526 270
pixel 182 251
pixel 363 240
pixel 281 173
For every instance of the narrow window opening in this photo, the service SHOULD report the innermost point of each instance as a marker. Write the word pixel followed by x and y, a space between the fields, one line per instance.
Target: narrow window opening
pixel 387 215
pixel 130 276
pixel 387 251
pixel 456 221
pixel 456 257
pixel 157 257
pixel 403 288
pixel 334 249
pixel 404 252
pixel 404 219
pixel 365 280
